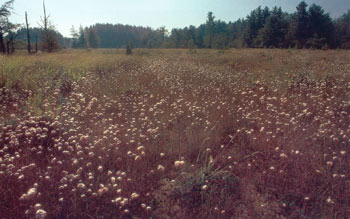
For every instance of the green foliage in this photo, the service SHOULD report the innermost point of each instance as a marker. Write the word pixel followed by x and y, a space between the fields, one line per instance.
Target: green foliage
pixel 343 31
pixel 92 38
pixel 307 27
pixel 82 41
pixel 6 27
pixel 209 30
pixel 206 188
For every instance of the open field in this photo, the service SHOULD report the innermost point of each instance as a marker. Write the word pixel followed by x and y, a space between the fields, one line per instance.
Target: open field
pixel 175 134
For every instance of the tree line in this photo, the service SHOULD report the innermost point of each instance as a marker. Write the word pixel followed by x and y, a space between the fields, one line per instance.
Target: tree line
pixel 307 27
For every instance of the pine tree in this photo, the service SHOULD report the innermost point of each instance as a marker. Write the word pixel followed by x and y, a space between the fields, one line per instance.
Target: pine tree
pixel 75 36
pixel 82 42
pixel 321 27
pixel 92 37
pixel 302 32
pixel 342 30
pixel 209 30
pixel 274 31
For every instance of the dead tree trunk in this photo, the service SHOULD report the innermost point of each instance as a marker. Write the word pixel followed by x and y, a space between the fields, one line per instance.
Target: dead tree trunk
pixel 46 45
pixel 28 35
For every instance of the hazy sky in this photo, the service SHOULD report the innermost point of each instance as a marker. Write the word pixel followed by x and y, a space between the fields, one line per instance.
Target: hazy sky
pixel 152 13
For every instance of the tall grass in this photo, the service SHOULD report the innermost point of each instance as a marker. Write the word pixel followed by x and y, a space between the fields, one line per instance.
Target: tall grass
pixel 175 134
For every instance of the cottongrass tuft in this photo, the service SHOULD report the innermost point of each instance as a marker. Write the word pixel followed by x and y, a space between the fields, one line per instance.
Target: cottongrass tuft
pixel 40 214
pixel 179 163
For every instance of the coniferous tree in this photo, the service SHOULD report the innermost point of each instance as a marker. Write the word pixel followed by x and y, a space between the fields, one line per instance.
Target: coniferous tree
pixel 75 36
pixel 306 28
pixel 255 22
pixel 82 41
pixel 301 21
pixel 275 28
pixel 209 30
pixel 321 27
pixel 92 38
pixel 342 31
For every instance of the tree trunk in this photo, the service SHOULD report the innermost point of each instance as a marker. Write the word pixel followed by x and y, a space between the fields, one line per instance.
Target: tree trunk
pixel 36 44
pixel 13 43
pixel 46 31
pixel 8 46
pixel 2 44
pixel 28 35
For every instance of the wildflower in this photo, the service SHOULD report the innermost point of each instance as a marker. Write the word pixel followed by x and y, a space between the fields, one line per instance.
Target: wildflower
pixel 204 187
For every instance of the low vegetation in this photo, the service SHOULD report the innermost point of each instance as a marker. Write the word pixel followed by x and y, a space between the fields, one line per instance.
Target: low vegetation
pixel 175 134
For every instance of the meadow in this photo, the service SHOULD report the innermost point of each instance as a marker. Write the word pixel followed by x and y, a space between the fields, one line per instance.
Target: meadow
pixel 250 133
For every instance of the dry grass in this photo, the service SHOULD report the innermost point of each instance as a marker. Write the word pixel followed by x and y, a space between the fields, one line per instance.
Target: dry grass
pixel 175 134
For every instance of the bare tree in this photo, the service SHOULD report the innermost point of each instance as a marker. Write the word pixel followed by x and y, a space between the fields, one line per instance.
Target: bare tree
pixel 50 41
pixel 28 35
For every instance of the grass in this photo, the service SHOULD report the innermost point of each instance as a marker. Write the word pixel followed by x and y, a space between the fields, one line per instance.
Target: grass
pixel 175 134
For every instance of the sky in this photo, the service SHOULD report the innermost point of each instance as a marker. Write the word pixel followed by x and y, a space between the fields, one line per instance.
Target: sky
pixel 151 13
